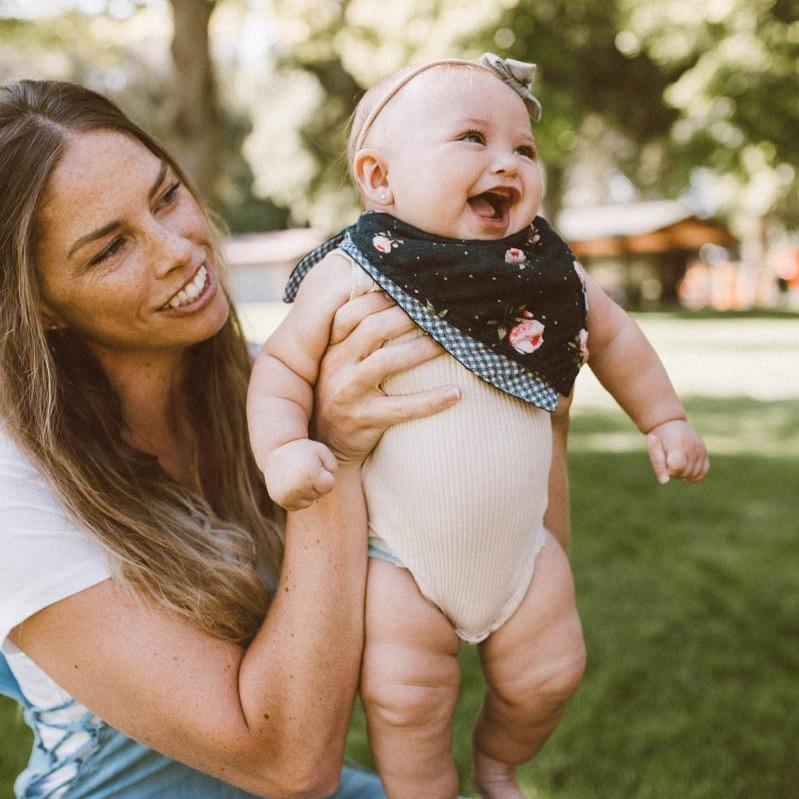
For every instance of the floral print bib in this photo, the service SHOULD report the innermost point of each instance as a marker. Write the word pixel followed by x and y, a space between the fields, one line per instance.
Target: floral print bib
pixel 511 310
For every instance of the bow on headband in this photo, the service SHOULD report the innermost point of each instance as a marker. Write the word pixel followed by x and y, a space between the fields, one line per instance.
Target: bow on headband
pixel 519 76
pixel 516 74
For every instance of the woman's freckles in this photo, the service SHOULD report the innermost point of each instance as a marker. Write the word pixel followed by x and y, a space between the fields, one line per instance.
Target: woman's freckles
pixel 141 250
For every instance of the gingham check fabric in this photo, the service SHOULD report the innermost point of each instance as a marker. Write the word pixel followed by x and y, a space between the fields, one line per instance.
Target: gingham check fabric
pixel 493 368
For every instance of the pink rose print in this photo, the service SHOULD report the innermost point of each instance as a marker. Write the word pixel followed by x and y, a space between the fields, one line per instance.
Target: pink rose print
pixel 528 335
pixel 383 243
pixel 514 256
pixel 582 341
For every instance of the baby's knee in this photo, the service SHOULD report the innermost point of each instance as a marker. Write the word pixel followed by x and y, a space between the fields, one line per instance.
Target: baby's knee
pixel 408 706
pixel 560 679
pixel 405 694
pixel 551 683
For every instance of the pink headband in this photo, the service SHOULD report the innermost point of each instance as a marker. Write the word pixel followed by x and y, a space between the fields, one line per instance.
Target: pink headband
pixel 516 74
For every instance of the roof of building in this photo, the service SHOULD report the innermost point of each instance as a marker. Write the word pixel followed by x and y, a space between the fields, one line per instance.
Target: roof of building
pixel 623 219
pixel 653 227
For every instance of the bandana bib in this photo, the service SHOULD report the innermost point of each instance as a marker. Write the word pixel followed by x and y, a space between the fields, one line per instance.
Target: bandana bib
pixel 512 311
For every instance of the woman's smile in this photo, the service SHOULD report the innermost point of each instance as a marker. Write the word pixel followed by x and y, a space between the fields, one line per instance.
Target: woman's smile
pixel 140 241
pixel 194 295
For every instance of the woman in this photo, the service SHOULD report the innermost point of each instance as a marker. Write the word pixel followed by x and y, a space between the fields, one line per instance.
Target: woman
pixel 137 536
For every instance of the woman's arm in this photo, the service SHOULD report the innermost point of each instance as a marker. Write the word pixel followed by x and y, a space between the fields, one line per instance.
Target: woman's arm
pixel 270 718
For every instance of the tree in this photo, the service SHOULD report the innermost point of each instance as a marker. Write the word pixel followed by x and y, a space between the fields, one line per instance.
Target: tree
pixel 737 94
pixel 195 121
pixel 162 75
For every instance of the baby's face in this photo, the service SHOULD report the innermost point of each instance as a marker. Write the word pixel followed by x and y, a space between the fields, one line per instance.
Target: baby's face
pixel 460 157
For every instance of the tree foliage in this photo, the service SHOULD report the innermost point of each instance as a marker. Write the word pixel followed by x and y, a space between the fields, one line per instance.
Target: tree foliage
pixel 127 56
pixel 736 91
pixel 663 93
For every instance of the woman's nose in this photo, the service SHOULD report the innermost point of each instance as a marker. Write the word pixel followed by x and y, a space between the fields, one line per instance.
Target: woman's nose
pixel 169 249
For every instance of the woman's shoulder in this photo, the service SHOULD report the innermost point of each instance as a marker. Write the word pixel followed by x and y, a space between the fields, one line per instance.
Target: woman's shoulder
pixel 47 553
pixel 11 455
pixel 29 503
pixel 21 481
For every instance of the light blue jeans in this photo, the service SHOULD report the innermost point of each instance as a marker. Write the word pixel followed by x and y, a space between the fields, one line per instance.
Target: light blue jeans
pixel 91 760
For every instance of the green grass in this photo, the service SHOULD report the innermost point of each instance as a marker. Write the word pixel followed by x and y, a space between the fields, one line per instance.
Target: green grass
pixel 15 745
pixel 690 604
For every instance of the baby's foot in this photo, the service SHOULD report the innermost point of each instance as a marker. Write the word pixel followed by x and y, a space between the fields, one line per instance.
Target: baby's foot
pixel 495 780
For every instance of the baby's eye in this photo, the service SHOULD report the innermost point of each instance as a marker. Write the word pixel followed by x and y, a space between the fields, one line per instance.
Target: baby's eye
pixel 527 151
pixel 473 136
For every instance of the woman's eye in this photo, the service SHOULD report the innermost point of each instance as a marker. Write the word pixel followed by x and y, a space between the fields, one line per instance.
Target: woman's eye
pixel 112 249
pixel 170 195
pixel 474 136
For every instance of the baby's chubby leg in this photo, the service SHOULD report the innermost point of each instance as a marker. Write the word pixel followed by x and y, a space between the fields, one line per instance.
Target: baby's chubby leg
pixel 533 664
pixel 409 685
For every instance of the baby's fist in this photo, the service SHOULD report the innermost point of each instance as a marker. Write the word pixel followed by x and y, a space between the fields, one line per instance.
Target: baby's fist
pixel 300 472
pixel 677 450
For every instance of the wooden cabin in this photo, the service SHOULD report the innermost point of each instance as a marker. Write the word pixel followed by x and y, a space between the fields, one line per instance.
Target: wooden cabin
pixel 640 251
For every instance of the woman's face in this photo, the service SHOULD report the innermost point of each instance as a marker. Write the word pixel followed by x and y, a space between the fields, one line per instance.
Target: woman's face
pixel 124 252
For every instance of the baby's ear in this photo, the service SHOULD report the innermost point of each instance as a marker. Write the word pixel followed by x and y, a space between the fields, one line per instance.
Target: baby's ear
pixel 370 171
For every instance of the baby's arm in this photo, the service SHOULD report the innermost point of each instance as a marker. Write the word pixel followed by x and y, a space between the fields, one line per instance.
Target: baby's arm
pixel 280 396
pixel 629 368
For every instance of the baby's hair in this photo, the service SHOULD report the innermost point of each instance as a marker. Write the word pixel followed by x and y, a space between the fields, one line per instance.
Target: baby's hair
pixel 377 97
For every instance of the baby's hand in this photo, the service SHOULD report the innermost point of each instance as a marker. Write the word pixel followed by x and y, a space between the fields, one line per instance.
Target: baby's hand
pixel 300 472
pixel 677 450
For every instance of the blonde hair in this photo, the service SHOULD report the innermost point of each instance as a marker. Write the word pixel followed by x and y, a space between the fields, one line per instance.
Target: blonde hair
pixel 196 553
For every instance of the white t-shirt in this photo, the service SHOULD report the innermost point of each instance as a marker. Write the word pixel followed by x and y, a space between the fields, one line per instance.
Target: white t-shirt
pixel 45 556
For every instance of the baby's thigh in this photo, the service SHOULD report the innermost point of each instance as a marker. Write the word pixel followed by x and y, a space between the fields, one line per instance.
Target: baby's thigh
pixel 410 648
pixel 540 649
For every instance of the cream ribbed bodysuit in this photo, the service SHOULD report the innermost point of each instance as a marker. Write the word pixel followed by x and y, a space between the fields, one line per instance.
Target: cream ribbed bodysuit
pixel 459 497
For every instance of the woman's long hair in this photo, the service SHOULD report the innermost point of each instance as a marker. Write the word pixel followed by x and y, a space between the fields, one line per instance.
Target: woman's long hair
pixel 199 553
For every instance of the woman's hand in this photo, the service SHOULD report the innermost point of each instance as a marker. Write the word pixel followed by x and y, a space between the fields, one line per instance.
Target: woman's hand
pixel 350 410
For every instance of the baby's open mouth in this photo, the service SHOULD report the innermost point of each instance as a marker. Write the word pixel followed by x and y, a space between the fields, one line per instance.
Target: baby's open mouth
pixel 493 204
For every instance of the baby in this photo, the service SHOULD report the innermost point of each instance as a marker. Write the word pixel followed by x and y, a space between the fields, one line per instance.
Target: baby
pixel 447 170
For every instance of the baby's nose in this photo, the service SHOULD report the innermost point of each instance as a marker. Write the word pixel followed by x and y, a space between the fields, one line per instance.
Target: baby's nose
pixel 504 164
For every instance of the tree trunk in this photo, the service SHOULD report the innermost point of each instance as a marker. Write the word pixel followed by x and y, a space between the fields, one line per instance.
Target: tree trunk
pixel 553 197
pixel 196 117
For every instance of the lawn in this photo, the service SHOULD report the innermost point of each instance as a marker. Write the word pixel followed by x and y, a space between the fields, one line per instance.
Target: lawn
pixel 690 604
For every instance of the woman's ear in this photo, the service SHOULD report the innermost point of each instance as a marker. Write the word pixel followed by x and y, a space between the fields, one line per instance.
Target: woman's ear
pixel 371 174
pixel 50 318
